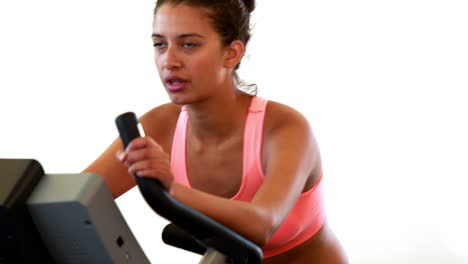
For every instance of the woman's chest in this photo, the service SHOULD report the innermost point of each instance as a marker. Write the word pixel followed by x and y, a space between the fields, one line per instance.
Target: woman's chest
pixel 215 168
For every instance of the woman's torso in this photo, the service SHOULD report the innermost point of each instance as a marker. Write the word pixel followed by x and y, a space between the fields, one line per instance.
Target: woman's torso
pixel 217 169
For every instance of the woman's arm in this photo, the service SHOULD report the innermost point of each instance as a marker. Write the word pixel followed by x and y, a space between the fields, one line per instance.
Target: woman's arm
pixel 114 173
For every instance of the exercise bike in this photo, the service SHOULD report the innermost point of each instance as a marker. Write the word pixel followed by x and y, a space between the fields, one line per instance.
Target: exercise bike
pixel 73 218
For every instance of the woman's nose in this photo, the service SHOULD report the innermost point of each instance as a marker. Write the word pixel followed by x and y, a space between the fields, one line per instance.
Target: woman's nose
pixel 172 59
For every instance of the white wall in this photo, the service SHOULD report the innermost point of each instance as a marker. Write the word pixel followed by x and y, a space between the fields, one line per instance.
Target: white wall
pixel 382 83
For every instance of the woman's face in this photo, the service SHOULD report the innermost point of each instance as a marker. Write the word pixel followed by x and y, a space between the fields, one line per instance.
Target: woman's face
pixel 188 52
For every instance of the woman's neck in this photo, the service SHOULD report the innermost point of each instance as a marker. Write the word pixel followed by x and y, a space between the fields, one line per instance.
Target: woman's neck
pixel 217 119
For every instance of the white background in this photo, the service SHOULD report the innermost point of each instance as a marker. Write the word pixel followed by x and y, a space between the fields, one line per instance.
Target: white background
pixel 382 82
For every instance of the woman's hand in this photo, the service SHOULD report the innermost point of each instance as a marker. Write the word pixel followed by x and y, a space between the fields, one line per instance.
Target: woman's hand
pixel 144 157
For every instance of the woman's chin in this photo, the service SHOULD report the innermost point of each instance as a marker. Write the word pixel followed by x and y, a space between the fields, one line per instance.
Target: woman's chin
pixel 178 99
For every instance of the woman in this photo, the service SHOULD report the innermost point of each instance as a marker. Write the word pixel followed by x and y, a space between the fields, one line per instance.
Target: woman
pixel 250 164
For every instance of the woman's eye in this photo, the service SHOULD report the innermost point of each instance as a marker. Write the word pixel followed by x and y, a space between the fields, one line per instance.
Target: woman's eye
pixel 189 45
pixel 158 45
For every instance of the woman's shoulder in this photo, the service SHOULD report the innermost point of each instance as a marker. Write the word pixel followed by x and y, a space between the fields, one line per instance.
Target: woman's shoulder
pixel 160 122
pixel 161 113
pixel 280 115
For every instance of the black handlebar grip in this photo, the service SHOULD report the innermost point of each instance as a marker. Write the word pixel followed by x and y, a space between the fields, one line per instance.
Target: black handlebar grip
pixel 127 124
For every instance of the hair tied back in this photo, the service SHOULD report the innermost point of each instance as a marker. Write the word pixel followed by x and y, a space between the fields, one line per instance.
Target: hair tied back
pixel 249 5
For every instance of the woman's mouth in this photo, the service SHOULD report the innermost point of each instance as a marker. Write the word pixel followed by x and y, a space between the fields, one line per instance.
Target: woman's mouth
pixel 175 84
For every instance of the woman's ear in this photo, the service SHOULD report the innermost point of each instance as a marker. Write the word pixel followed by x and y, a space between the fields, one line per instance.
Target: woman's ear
pixel 233 54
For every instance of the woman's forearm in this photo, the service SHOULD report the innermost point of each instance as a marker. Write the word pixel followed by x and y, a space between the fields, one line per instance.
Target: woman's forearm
pixel 250 221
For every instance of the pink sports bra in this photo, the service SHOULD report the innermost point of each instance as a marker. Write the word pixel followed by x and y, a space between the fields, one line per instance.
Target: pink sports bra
pixel 307 215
